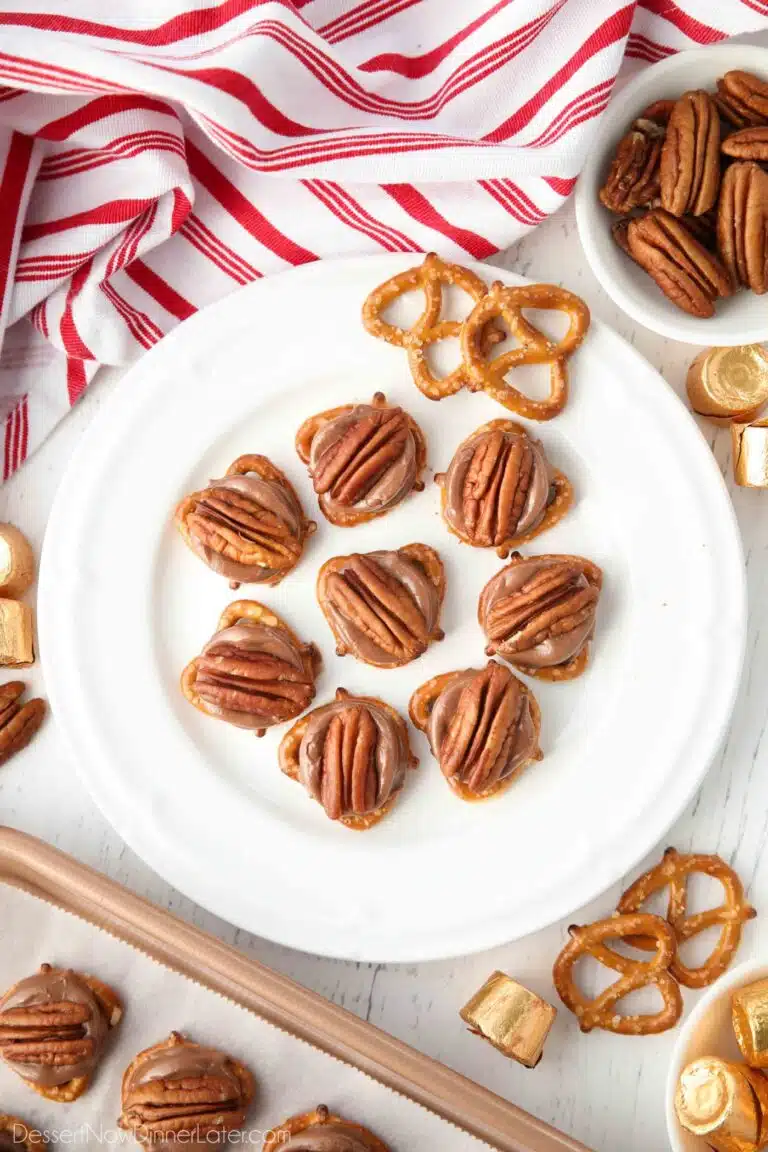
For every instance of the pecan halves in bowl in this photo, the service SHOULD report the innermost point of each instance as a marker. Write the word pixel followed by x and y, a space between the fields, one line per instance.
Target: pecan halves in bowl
pixel 180 1092
pixel 633 178
pixel 18 722
pixel 747 144
pixel 690 156
pixel 742 99
pixel 53 1029
pixel 383 607
pixel 538 614
pixel 483 727
pixel 363 459
pixel 254 672
pixel 688 275
pixel 500 490
pixel 249 525
pixel 742 225
pixel 321 1131
pixel 352 756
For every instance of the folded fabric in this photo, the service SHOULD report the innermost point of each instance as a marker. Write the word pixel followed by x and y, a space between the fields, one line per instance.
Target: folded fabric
pixel 156 157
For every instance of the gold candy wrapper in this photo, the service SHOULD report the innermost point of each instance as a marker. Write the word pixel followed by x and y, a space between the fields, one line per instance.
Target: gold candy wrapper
pixel 724 1103
pixel 750 1022
pixel 749 444
pixel 507 1015
pixel 726 384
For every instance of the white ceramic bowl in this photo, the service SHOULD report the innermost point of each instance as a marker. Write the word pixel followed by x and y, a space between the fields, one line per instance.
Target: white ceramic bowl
pixel 707 1032
pixel 742 319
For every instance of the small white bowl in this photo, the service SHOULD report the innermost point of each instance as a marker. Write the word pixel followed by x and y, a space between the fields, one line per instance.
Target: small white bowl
pixel 707 1032
pixel 741 319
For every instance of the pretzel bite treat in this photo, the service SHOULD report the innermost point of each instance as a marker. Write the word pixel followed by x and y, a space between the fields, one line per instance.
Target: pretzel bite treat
pixel 364 459
pixel 600 1011
pixel 538 613
pixel 482 725
pixel 672 873
pixel 180 1092
pixel 321 1131
pixel 248 526
pixel 532 345
pixel 351 756
pixel 53 1029
pixel 383 607
pixel 254 672
pixel 500 490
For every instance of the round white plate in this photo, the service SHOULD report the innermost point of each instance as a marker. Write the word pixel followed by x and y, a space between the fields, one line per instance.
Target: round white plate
pixel 124 605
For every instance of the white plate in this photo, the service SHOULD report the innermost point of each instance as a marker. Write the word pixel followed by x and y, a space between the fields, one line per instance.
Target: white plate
pixel 741 319
pixel 124 605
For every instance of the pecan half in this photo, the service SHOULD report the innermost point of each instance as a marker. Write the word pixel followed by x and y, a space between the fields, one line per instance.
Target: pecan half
pixel 18 722
pixel 363 460
pixel 53 1027
pixel 181 1091
pixel 742 225
pixel 254 672
pixel 383 607
pixel 500 489
pixel 742 99
pixel 690 156
pixel 688 275
pixel 633 178
pixel 748 144
pixel 538 613
pixel 248 526
pixel 482 725
pixel 351 756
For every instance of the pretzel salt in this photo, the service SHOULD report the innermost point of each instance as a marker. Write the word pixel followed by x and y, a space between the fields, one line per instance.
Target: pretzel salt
pixel 672 872
pixel 600 1012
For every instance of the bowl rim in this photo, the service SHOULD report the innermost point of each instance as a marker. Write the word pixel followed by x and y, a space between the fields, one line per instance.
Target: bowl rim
pixel 744 973
pixel 588 208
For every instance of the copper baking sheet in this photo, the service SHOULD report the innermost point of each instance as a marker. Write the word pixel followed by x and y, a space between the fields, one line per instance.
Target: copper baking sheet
pixel 46 872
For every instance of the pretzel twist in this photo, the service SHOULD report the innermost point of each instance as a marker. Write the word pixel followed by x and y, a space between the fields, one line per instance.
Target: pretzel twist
pixel 633 974
pixel 672 872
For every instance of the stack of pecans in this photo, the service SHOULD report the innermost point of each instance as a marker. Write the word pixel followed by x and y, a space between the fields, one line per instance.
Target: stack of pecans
pixel 18 722
pixel 726 1102
pixel 692 197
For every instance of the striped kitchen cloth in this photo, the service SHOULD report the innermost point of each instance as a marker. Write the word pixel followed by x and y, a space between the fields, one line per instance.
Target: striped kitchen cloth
pixel 157 154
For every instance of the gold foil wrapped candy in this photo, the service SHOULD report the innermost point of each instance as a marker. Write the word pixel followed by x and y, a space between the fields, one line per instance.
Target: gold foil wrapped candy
pixel 749 444
pixel 726 384
pixel 750 1022
pixel 507 1015
pixel 725 1104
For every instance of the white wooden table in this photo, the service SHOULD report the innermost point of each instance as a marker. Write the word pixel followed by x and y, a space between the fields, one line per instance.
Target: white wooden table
pixel 606 1090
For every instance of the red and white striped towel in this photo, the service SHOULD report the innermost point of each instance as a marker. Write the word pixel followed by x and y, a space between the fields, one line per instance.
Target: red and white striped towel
pixel 152 163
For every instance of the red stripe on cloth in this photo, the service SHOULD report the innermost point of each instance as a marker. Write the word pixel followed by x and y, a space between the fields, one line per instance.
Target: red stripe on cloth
pixel 365 15
pixel 581 108
pixel 75 347
pixel 616 27
pixel 54 75
pixel 8 435
pixel 15 443
pixel 225 258
pixel 160 290
pixel 246 213
pixel 11 192
pixel 181 27
pixel 512 200
pixel 688 25
pixel 414 67
pixel 181 209
pixel 24 430
pixel 39 319
pixel 349 212
pixel 77 160
pixel 99 109
pixel 641 46
pixel 417 206
pixel 756 6
pixel 563 185
pixel 113 212
pixel 141 327
pixel 75 379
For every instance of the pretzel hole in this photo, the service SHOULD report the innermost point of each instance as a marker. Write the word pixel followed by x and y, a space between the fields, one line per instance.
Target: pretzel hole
pixel 533 380
pixel 592 978
pixel 443 357
pixel 457 304
pixel 405 309
pixel 551 321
